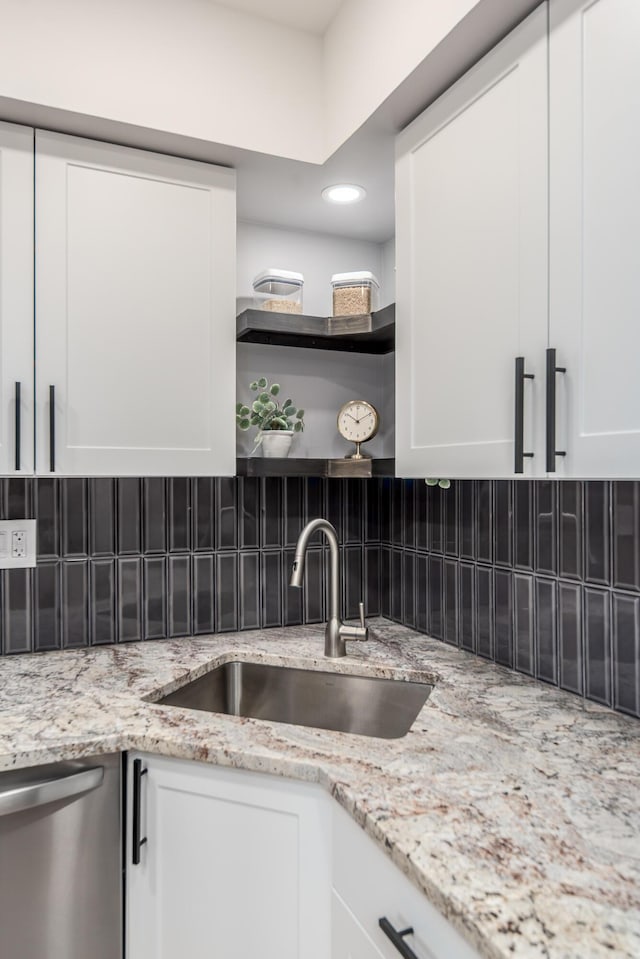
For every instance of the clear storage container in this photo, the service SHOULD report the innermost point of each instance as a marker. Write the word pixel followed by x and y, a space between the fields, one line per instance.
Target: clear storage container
pixel 279 291
pixel 354 293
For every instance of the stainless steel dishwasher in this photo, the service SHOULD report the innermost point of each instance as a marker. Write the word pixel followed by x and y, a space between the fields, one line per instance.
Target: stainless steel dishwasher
pixel 61 861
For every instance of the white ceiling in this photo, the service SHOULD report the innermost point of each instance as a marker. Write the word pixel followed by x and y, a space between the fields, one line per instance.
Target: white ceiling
pixel 313 16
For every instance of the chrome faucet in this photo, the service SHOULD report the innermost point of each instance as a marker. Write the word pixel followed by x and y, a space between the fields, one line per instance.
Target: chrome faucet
pixel 336 632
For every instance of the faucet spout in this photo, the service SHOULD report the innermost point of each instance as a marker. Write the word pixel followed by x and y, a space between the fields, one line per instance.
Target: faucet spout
pixel 335 632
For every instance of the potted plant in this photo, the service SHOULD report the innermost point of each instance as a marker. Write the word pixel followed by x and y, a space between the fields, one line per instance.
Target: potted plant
pixel 276 424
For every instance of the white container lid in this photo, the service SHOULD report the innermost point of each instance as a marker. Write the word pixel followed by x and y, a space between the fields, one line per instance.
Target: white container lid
pixel 278 276
pixel 358 278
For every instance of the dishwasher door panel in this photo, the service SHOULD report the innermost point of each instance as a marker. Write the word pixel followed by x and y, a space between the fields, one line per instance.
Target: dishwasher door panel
pixel 61 863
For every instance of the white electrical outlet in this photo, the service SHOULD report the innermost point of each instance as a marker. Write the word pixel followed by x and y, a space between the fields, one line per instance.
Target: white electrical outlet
pixel 17 543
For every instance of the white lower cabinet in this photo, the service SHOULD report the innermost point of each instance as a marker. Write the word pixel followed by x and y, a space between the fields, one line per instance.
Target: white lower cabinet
pixel 234 864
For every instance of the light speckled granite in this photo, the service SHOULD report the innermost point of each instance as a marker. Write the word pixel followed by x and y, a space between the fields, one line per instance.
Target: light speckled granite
pixel 514 807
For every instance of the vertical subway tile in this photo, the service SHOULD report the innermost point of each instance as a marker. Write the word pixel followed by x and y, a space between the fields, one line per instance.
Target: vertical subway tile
pixel 335 506
pixel 353 510
pixel 386 493
pixel 129 515
pixel 353 591
pixel 409 514
pixel 47 634
pixel 597 645
pixel 372 580
pixel 226 512
pixel 434 519
pixel 484 612
pixel 546 631
pixel 626 653
pixel 291 595
pixel 523 623
pixel 226 592
pixel 546 527
pixel 523 524
pixel 466 514
pixel 17 605
pixel 315 499
pixel 467 616
pixel 421 496
pixel 396 512
pixel 204 585
pixel 435 596
pixel 102 590
pixel 313 590
pixel 503 617
pixel 75 604
pixel 249 512
pixel 385 581
pixel 570 564
pixel 503 524
pixel 47 514
pixel 272 589
pixel 293 509
pixel 272 512
pixel 372 511
pixel 626 535
pixel 249 594
pixel 75 539
pixel 396 585
pixel 179 514
pixel 204 513
pixel 484 521
pixel 409 588
pixel 450 602
pixel 154 514
pixel 102 516
pixel 596 527
pixel 450 519
pixel 422 593
pixel 570 644
pixel 179 595
pixel 129 600
pixel 154 571
pixel 19 498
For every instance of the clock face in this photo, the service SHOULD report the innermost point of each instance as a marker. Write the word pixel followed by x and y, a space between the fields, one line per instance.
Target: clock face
pixel 358 421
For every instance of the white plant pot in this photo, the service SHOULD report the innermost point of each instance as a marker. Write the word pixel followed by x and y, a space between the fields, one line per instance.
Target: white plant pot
pixel 276 443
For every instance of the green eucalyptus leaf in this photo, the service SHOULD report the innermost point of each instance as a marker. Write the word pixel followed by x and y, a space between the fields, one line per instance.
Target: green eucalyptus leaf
pixel 257 406
pixel 298 427
pixel 245 411
pixel 264 398
pixel 238 407
pixel 275 389
pixel 253 386
pixel 287 403
pixel 244 424
pixel 444 483
pixel 431 482
pixel 270 406
pixel 299 414
pixel 262 383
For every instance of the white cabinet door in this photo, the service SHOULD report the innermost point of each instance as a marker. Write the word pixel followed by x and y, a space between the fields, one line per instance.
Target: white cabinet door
pixel 471 262
pixel 16 299
pixel 367 888
pixel 595 224
pixel 135 311
pixel 235 864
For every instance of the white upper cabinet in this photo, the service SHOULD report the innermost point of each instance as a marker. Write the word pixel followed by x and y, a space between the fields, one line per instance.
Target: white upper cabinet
pixel 135 316
pixel 471 212
pixel 594 235
pixel 16 299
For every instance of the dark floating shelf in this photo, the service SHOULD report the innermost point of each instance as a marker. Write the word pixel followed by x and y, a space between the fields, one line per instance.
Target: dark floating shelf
pixel 338 468
pixel 367 333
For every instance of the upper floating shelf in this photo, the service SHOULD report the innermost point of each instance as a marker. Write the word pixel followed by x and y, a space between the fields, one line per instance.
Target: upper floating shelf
pixel 367 333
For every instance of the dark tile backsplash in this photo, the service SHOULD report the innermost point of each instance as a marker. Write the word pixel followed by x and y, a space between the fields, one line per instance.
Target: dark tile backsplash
pixel 542 577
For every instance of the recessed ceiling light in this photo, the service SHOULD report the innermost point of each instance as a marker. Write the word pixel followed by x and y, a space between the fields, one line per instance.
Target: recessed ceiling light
pixel 343 193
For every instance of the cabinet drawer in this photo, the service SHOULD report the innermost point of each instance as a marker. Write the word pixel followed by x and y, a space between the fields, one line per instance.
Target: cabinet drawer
pixel 348 938
pixel 371 887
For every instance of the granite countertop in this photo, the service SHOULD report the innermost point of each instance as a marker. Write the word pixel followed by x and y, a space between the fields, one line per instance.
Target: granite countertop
pixel 514 807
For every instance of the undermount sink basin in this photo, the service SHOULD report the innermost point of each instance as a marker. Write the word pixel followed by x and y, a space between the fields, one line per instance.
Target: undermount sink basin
pixel 350 704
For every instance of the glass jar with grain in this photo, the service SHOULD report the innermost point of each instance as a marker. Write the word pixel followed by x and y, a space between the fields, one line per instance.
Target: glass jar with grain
pixel 279 291
pixel 354 293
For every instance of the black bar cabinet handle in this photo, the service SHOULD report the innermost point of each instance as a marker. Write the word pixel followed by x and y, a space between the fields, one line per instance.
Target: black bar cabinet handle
pixel 552 371
pixel 137 841
pixel 520 454
pixel 397 938
pixel 52 429
pixel 18 424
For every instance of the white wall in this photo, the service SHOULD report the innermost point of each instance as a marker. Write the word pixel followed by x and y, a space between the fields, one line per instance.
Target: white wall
pixel 388 272
pixel 370 47
pixel 318 256
pixel 189 67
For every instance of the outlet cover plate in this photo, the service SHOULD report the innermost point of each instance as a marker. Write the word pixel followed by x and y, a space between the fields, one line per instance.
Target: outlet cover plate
pixel 7 528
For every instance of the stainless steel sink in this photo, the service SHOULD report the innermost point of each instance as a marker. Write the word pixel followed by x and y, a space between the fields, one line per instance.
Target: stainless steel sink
pixel 350 704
